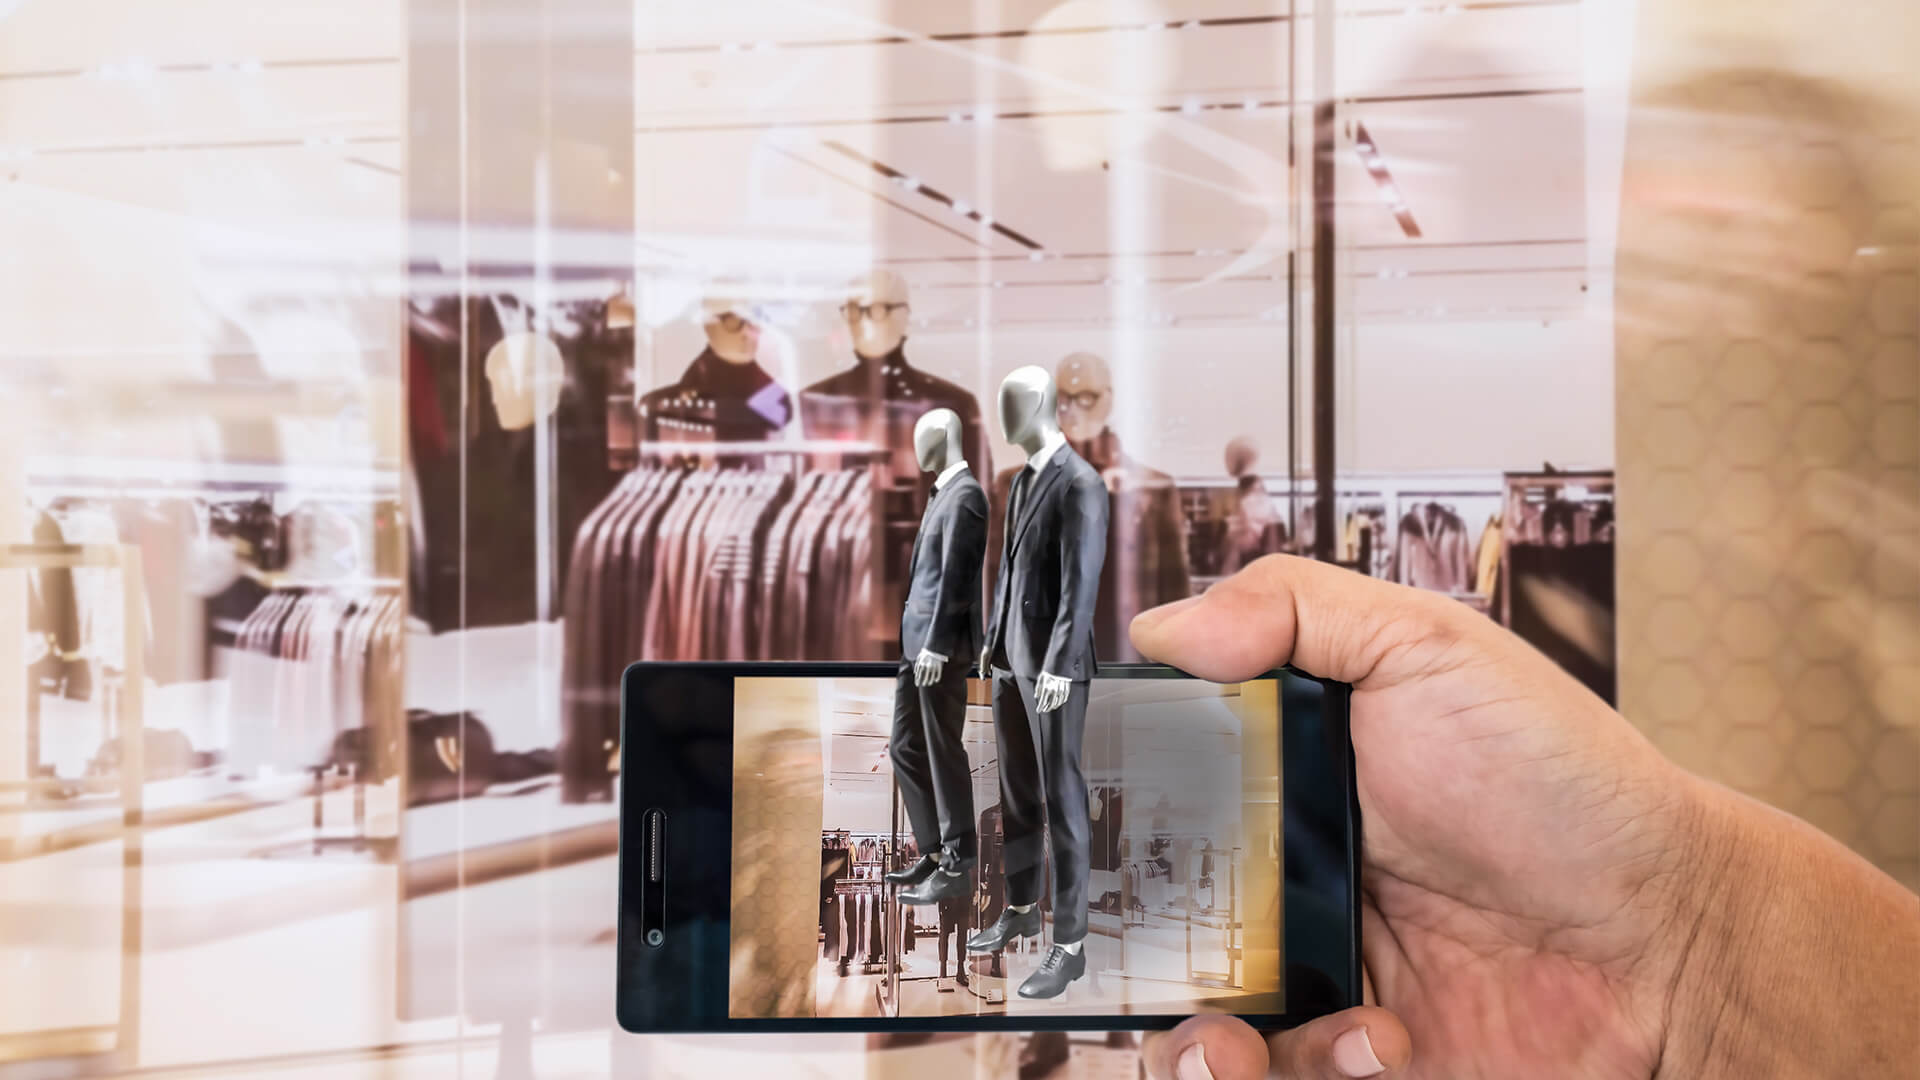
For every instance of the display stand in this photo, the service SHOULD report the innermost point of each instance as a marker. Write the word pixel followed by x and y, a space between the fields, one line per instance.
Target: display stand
pixel 127 724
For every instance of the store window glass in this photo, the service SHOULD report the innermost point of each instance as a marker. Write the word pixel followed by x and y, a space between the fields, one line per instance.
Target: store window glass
pixel 381 377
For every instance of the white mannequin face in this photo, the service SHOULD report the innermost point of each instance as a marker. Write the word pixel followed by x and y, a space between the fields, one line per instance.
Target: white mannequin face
pixel 936 440
pixel 876 314
pixel 526 373
pixel 1027 408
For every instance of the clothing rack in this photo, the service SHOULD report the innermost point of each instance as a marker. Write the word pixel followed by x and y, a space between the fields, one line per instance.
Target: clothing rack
pixel 713 551
pixel 121 1037
pixel 1557 535
pixel 313 660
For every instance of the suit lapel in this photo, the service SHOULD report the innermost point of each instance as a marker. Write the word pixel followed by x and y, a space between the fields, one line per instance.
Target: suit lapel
pixel 919 538
pixel 1036 489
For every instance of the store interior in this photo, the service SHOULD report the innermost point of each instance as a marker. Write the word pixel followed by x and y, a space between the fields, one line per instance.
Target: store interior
pixel 349 385
pixel 1172 880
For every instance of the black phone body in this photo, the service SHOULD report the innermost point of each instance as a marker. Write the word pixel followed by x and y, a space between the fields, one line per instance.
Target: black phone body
pixel 725 925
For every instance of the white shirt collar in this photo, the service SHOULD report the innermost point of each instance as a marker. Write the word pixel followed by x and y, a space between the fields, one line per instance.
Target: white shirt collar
pixel 949 473
pixel 1039 458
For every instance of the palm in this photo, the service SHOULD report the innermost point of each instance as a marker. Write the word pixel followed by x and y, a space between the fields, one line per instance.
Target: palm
pixel 1505 864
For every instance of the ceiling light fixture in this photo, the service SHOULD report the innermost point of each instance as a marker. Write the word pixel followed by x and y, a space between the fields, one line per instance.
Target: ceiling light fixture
pixel 1375 163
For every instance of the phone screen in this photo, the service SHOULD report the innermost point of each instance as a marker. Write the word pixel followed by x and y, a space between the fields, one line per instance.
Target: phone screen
pixel 1182 894
pixel 1200 835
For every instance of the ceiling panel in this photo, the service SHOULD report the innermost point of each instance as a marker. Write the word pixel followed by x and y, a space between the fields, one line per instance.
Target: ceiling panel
pixel 203 108
pixel 745 24
pixel 57 35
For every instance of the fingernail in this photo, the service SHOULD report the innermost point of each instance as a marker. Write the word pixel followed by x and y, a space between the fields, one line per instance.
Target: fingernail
pixel 1193 1064
pixel 1353 1055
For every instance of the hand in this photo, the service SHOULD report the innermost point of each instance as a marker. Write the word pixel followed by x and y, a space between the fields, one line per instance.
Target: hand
pixel 983 664
pixel 1543 894
pixel 1050 692
pixel 927 667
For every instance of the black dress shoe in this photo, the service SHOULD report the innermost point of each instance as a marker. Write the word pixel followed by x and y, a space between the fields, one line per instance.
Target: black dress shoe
pixel 1056 971
pixel 915 872
pixel 1010 925
pixel 943 884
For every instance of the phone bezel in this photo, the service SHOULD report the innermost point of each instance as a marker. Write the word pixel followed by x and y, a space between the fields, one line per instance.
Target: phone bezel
pixel 1344 985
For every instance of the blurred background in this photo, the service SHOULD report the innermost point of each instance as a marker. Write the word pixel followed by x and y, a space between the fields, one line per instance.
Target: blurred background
pixel 380 376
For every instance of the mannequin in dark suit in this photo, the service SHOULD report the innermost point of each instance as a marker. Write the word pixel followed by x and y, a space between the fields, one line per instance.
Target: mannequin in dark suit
pixel 1040 652
pixel 939 636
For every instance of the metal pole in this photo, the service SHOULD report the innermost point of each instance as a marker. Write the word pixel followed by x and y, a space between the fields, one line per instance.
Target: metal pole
pixel 1324 148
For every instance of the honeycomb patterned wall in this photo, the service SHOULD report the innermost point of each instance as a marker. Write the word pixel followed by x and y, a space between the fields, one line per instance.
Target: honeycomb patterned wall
pixel 1768 388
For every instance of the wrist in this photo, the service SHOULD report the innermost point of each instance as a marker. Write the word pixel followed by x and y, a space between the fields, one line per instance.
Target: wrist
pixel 1788 954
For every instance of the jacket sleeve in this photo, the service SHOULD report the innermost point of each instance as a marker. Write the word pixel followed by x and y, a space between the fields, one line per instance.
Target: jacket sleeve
pixel 1083 547
pixel 963 543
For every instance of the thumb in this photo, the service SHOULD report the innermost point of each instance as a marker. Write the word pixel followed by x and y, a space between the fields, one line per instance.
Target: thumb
pixel 1320 618
pixel 1357 1043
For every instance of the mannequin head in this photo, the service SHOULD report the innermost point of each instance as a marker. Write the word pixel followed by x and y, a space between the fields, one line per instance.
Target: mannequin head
pixel 876 313
pixel 526 373
pixel 1086 395
pixel 1242 455
pixel 936 439
pixel 1027 411
pixel 731 332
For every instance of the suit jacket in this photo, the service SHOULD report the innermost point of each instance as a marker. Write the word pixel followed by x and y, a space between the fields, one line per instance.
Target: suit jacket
pixel 942 612
pixel 1049 580
pixel 1432 551
pixel 1146 561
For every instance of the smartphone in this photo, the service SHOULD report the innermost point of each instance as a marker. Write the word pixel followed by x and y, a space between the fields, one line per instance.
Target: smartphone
pixel 760 813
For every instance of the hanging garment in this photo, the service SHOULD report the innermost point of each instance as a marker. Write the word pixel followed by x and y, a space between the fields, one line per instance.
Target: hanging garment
pixel 311 664
pixel 1431 552
pixel 699 563
pixel 1487 558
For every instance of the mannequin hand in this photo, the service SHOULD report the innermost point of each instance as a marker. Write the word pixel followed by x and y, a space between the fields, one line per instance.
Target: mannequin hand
pixel 927 668
pixel 983 664
pixel 1051 693
pixel 1544 894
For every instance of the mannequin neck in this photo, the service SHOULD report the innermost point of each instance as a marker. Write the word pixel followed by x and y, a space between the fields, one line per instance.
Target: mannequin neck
pixel 896 357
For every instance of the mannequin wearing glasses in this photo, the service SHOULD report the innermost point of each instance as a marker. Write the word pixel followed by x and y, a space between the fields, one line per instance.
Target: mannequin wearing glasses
pixel 879 400
pixel 1146 560
pixel 724 394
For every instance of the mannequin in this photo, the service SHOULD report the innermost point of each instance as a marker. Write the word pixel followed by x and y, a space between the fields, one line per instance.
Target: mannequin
pixel 879 400
pixel 525 374
pixel 1040 655
pixel 475 402
pixel 940 622
pixel 1146 563
pixel 724 394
